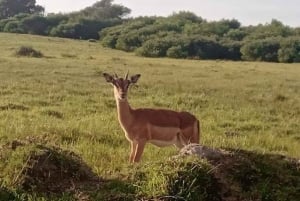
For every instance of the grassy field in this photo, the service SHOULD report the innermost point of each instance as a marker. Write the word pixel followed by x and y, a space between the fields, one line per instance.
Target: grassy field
pixel 62 101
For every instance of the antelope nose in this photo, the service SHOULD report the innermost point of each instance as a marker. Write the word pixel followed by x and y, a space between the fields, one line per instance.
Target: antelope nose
pixel 123 95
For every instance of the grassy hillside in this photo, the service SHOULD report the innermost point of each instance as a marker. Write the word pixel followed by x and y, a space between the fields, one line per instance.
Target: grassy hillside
pixel 61 103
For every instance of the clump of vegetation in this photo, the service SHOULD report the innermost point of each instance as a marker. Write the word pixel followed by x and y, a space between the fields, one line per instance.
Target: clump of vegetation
pixel 11 106
pixel 237 175
pixel 27 17
pixel 37 169
pixel 27 51
pixel 180 179
pixel 53 113
pixel 240 175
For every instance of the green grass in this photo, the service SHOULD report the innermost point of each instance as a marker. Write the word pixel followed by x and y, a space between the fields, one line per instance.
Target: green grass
pixel 62 100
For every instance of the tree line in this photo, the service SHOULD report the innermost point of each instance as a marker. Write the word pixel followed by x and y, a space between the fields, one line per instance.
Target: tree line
pixel 24 16
pixel 180 35
pixel 186 35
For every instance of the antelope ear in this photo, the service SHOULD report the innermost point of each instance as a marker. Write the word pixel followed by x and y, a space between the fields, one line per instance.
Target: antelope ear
pixel 108 77
pixel 134 78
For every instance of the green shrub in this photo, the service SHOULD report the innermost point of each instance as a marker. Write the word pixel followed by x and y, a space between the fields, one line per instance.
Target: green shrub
pixel 205 48
pixel 3 23
pixel 190 179
pixel 289 50
pixel 261 50
pixel 177 52
pixel 35 24
pixel 110 41
pixel 13 27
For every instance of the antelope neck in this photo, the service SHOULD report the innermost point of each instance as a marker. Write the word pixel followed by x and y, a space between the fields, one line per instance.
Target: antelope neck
pixel 124 112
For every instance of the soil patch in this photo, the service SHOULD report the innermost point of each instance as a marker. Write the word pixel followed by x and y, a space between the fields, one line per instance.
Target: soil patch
pixel 56 171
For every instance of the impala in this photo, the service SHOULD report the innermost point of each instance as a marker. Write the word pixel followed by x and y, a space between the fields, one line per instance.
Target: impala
pixel 157 126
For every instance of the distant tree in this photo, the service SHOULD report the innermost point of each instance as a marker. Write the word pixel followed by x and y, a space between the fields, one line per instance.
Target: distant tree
pixel 35 24
pixel 56 19
pixel 128 42
pixel 101 10
pixel 65 30
pixel 236 34
pixel 156 47
pixel 4 22
pixel 13 27
pixel 261 50
pixel 205 48
pixel 231 49
pixel 185 16
pixel 10 8
pixel 289 50
pixel 177 52
pixel 273 29
pixel 218 28
pixel 297 31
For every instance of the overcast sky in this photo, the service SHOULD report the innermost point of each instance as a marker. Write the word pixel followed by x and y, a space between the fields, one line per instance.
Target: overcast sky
pixel 246 11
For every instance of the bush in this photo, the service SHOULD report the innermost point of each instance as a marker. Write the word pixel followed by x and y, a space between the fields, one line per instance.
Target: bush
pixel 177 52
pixel 205 48
pixel 289 50
pixel 261 50
pixel 232 50
pixel 236 34
pixel 155 48
pixel 3 23
pixel 128 42
pixel 110 41
pixel 189 179
pixel 65 30
pixel 13 27
pixel 35 24
pixel 28 52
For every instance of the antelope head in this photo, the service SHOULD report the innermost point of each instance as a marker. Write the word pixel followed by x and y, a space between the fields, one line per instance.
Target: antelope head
pixel 121 85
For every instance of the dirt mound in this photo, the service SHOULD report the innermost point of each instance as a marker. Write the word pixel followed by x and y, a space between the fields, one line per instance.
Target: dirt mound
pixel 28 52
pixel 55 170
pixel 33 168
pixel 247 175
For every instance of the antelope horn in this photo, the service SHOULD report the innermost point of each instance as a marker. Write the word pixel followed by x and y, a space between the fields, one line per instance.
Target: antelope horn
pixel 116 75
pixel 126 76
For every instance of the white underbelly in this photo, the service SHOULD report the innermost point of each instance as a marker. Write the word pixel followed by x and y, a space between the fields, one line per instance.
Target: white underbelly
pixel 163 136
pixel 161 143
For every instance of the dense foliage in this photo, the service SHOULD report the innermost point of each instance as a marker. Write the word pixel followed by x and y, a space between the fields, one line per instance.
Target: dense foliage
pixel 10 8
pixel 186 35
pixel 84 24
pixel 181 35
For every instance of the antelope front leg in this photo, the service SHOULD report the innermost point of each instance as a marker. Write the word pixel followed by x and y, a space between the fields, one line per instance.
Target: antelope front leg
pixel 132 151
pixel 139 151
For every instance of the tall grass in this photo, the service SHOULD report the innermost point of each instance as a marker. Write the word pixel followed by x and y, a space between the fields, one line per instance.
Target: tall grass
pixel 64 101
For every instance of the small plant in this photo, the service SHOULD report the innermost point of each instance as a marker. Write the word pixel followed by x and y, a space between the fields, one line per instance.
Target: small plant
pixel 54 113
pixel 27 51
pixel 280 98
pixel 66 55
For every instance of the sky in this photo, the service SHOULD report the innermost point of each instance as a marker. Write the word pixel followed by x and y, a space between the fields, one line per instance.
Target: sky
pixel 248 12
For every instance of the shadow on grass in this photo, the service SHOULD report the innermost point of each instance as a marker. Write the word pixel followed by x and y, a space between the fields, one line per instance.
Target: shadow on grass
pixel 237 175
pixel 260 176
pixel 7 195
pixel 51 173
